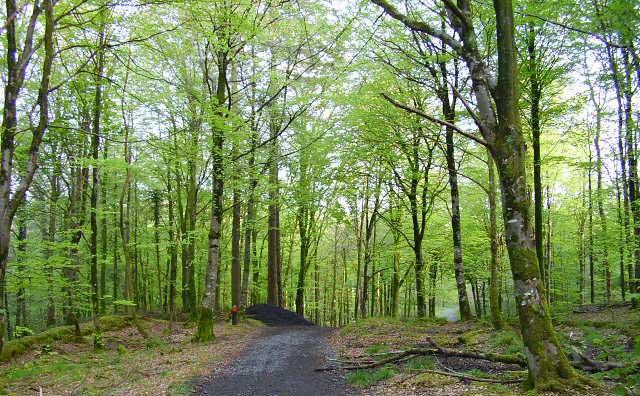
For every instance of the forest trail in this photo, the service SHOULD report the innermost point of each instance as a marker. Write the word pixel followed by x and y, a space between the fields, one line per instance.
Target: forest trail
pixel 280 363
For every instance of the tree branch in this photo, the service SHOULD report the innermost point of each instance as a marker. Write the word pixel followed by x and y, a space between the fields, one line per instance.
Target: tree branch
pixel 419 26
pixel 433 119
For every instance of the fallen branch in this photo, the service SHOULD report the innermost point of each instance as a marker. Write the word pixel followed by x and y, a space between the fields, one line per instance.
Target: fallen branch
pixel 585 363
pixel 507 359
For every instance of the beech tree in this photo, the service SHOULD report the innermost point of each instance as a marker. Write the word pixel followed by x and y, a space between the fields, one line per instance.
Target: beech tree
pixel 501 133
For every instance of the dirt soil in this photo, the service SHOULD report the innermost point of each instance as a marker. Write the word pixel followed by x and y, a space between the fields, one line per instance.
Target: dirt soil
pixel 276 316
pixel 281 362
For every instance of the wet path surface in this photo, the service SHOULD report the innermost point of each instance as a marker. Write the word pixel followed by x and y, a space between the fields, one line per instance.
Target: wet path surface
pixel 279 363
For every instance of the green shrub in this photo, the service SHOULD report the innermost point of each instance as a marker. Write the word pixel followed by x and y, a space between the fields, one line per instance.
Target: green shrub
pixel 22 331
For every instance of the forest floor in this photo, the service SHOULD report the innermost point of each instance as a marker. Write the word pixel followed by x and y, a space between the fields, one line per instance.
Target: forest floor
pixel 606 335
pixel 254 358
pixel 163 364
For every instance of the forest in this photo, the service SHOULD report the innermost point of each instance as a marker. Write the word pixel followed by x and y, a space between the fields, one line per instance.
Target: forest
pixel 462 165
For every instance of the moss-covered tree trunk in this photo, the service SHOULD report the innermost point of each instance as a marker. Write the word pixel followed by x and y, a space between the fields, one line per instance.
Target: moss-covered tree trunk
pixel 548 365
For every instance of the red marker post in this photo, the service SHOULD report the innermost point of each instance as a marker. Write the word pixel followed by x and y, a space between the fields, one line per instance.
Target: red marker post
pixel 234 315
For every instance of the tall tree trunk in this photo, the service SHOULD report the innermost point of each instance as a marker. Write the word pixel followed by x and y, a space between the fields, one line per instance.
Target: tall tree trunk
pixel 461 285
pixel 95 176
pixel 116 259
pixel 632 163
pixel 547 363
pixel 592 289
pixel 274 283
pixel 249 223
pixel 173 252
pixel 21 295
pixel 51 238
pixel 105 238
pixel 494 280
pixel 124 226
pixel 535 88
pixel 433 277
pixel 16 65
pixel 210 300
pixel 622 238
pixel 604 252
pixel 236 271
pixel 156 242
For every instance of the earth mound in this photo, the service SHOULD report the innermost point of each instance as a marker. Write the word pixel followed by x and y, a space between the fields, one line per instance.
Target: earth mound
pixel 276 316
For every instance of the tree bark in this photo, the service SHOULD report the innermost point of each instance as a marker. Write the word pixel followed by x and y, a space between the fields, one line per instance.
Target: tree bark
pixel 494 280
pixel 95 174
pixel 535 88
pixel 274 284
pixel 209 300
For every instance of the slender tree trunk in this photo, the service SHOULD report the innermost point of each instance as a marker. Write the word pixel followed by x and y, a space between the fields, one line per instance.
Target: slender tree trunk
pixel 535 88
pixel 592 289
pixel 582 253
pixel 494 280
pixel 105 239
pixel 116 259
pixel 236 271
pixel 433 277
pixel 21 295
pixel 248 257
pixel 51 239
pixel 632 164
pixel 274 284
pixel 359 221
pixel 622 239
pixel 463 300
pixel 599 202
pixel 156 242
pixel 173 253
pixel 210 300
pixel 249 224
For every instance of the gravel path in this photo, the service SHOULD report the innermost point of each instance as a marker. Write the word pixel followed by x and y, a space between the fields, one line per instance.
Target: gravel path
pixel 280 363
